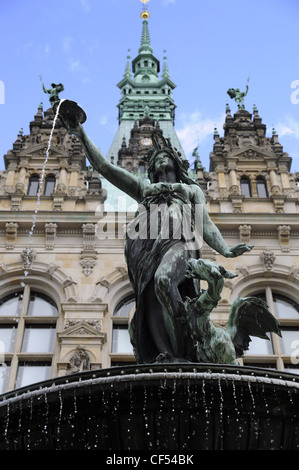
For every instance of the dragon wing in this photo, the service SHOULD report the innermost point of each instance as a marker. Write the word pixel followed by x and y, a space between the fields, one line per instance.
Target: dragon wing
pixel 250 316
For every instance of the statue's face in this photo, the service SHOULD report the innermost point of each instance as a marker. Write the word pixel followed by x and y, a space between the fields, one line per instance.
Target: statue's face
pixel 165 169
pixel 164 162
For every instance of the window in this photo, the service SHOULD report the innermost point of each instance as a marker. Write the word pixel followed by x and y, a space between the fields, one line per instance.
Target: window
pixel 245 187
pixel 4 375
pixel 125 307
pixel 11 305
pixel 29 373
pixel 27 338
pixel 279 352
pixel 41 305
pixel 33 185
pixel 49 185
pixel 121 346
pixel 38 338
pixel 7 337
pixel 285 308
pixel 261 187
pixel 121 340
pixel 259 346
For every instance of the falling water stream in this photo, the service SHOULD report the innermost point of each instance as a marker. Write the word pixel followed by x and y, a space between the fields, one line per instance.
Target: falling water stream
pixel 29 251
pixel 156 410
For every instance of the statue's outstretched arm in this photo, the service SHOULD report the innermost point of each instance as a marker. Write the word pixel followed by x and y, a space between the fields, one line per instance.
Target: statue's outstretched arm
pixel 44 88
pixel 212 235
pixel 214 239
pixel 119 177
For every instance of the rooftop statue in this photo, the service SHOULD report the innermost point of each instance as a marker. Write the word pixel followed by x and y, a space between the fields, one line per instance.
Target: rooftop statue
pixel 166 236
pixel 53 92
pixel 238 95
pixel 69 110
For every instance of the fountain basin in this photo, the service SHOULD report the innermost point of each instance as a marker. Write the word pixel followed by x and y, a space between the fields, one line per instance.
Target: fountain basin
pixel 155 407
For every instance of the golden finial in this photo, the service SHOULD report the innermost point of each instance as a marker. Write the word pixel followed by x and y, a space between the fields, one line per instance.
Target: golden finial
pixel 145 14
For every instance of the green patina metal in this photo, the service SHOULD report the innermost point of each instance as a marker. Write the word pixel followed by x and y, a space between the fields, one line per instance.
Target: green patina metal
pixel 172 318
pixel 238 95
pixel 53 92
pixel 144 88
pixel 145 93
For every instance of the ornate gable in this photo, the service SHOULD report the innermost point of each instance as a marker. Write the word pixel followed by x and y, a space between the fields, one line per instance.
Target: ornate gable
pixel 81 329
pixel 66 165
pixel 246 164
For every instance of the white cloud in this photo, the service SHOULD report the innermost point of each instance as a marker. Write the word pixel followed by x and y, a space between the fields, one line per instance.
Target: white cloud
pixel 47 50
pixel 66 44
pixel 168 2
pixel 290 127
pixel 196 128
pixel 86 5
pixel 103 120
pixel 75 65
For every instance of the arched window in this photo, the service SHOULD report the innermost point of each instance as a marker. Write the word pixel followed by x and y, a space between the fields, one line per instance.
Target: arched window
pixel 49 185
pixel 261 187
pixel 33 185
pixel 278 350
pixel 27 338
pixel 245 186
pixel 121 347
pixel 124 308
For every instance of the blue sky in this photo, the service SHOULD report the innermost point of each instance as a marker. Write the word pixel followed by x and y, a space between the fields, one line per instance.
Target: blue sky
pixel 211 46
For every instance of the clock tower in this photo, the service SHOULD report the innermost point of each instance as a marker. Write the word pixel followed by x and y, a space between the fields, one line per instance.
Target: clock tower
pixel 146 105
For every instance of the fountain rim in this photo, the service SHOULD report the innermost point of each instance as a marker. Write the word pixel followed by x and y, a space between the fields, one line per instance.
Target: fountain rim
pixel 164 371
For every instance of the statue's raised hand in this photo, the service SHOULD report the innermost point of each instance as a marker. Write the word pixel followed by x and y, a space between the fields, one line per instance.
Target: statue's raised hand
pixel 238 250
pixel 72 116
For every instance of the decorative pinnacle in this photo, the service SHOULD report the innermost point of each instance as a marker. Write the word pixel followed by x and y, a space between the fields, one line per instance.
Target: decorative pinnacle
pixel 145 14
pixel 165 72
pixel 145 39
pixel 128 67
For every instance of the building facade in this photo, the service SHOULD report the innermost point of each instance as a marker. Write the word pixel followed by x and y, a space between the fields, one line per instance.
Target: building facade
pixel 65 295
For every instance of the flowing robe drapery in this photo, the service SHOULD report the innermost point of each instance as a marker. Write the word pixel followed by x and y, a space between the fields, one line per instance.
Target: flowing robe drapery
pixel 165 219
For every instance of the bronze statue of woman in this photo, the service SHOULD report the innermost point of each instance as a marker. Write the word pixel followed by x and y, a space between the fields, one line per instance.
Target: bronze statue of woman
pixel 157 264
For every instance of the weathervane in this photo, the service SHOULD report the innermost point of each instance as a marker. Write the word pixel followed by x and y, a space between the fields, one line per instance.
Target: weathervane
pixel 145 14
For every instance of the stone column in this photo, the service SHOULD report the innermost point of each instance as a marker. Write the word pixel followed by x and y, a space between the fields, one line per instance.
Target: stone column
pixel 73 183
pixel 11 174
pixel 275 189
pixel 285 182
pixel 234 187
pixel 253 186
pixel 20 186
pixel 62 181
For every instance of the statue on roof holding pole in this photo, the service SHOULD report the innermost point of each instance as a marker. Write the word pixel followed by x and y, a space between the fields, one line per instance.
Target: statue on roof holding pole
pixel 235 93
pixel 53 92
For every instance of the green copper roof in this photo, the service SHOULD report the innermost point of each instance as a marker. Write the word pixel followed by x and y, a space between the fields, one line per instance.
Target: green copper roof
pixel 145 94
pixel 128 73
pixel 165 73
pixel 146 90
pixel 145 40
